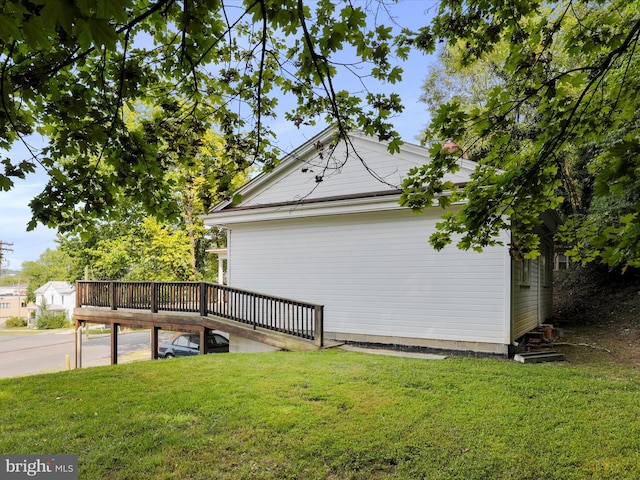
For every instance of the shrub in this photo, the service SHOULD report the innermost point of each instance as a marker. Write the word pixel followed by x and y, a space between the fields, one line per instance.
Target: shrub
pixel 16 322
pixel 49 320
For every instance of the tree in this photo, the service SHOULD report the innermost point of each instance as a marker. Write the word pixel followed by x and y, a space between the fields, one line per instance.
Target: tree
pixel 129 243
pixel 147 251
pixel 448 81
pixel 52 265
pixel 570 79
pixel 69 70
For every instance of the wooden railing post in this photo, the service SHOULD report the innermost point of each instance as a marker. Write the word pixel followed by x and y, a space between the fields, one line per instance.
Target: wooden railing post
pixel 254 313
pixel 204 300
pixel 112 295
pixel 154 297
pixel 79 293
pixel 319 326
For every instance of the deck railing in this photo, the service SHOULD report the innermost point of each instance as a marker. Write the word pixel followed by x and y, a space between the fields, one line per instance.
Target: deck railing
pixel 284 315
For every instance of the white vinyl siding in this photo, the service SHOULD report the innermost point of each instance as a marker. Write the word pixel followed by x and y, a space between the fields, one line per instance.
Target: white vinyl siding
pixel 376 275
pixel 532 300
pixel 524 298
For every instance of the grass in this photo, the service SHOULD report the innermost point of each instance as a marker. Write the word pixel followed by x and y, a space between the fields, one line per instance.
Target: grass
pixel 330 415
pixel 20 331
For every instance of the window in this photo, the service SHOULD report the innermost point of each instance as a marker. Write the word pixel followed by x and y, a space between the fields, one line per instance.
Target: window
pixel 562 262
pixel 194 341
pixel 5 305
pixel 215 340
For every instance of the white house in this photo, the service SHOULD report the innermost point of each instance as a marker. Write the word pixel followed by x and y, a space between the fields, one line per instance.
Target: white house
pixel 58 297
pixel 325 226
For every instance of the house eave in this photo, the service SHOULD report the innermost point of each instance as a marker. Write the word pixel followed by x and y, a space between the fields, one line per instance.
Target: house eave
pixel 301 209
pixel 387 200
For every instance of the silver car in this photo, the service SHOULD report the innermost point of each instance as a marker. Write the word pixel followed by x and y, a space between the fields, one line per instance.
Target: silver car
pixel 187 344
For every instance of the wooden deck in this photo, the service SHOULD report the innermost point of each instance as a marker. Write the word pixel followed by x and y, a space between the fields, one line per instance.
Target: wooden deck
pixel 199 307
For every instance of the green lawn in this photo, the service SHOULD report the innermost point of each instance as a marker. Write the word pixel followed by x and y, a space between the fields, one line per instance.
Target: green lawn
pixel 331 414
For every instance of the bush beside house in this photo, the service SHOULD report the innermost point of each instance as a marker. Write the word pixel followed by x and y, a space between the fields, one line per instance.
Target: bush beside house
pixel 15 322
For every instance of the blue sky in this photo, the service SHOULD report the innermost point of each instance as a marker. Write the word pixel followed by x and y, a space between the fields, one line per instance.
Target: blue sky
pixel 14 209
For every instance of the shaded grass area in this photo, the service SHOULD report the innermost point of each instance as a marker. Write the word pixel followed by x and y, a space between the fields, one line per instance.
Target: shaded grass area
pixel 332 414
pixel 600 310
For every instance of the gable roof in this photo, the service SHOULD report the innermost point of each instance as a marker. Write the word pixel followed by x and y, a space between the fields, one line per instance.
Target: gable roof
pixel 61 288
pixel 323 175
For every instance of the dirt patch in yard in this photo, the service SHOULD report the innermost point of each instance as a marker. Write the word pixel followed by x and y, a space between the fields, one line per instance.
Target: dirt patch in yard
pixel 597 316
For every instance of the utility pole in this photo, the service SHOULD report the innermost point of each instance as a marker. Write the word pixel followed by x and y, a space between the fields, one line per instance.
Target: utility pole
pixel 4 247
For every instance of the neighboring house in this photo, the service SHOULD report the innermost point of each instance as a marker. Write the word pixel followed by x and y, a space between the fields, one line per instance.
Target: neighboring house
pixel 58 297
pixel 13 302
pixel 326 227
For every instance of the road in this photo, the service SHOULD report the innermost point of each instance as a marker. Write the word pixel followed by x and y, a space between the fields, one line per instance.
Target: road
pixel 46 352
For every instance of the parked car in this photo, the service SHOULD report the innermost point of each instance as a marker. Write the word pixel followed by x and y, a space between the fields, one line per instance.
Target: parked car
pixel 187 344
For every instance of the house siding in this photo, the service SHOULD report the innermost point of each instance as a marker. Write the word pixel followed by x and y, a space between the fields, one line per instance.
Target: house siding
pixel 13 306
pixel 524 298
pixel 376 273
pixel 532 301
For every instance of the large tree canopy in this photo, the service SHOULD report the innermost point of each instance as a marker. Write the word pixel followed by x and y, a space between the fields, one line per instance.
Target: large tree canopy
pixel 557 126
pixel 70 69
pixel 560 126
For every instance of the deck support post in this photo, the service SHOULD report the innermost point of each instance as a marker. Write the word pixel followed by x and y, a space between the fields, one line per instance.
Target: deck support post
pixel 114 343
pixel 154 342
pixel 76 336
pixel 203 340
pixel 319 330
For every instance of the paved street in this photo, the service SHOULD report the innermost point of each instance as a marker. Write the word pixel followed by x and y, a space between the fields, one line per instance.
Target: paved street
pixel 46 352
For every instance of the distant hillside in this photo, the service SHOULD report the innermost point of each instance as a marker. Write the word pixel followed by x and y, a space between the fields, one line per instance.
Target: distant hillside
pixel 10 276
pixel 9 271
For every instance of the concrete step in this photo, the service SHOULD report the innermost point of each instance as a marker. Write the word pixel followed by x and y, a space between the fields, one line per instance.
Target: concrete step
pixel 538 357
